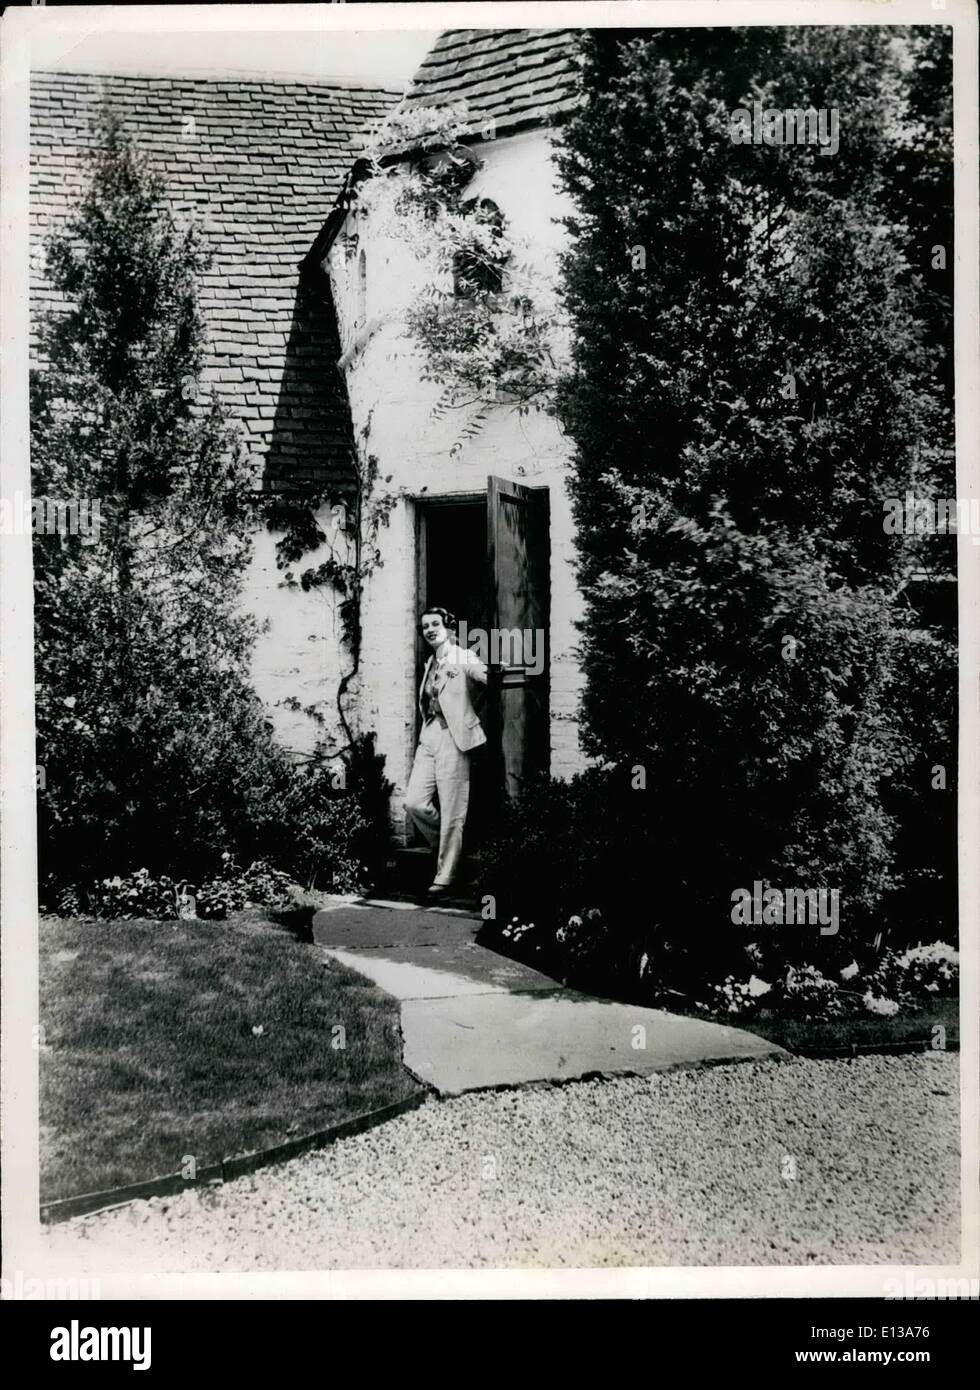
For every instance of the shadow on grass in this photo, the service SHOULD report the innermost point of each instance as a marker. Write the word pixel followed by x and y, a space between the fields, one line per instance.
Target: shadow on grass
pixel 297 921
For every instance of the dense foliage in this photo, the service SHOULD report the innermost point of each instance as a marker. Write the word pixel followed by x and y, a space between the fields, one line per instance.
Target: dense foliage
pixel 156 750
pixel 760 361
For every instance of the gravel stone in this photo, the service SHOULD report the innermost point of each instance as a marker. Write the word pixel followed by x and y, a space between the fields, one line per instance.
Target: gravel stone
pixel 762 1163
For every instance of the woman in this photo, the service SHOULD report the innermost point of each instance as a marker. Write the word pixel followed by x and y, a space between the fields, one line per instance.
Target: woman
pixel 451 729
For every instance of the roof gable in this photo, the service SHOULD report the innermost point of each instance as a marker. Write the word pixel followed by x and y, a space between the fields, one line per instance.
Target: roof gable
pixel 516 77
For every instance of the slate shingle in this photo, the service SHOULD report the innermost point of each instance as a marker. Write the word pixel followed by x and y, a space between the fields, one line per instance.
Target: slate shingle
pixel 519 77
pixel 262 164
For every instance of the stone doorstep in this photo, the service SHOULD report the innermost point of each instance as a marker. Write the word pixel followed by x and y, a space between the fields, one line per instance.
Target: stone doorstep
pixel 454 904
pixel 410 870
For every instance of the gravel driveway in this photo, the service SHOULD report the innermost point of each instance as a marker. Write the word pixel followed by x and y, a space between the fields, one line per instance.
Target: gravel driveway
pixel 830 1162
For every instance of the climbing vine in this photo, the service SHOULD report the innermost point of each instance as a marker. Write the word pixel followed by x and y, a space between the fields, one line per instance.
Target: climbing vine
pixel 487 318
pixel 357 516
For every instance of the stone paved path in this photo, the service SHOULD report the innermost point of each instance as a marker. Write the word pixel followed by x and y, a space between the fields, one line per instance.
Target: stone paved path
pixel 473 1020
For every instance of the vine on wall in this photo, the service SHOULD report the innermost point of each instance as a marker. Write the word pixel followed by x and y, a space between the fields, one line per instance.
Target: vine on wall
pixel 485 322
pixel 486 318
pixel 356 520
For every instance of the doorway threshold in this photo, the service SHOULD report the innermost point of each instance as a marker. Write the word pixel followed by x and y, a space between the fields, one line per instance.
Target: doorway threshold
pixel 454 907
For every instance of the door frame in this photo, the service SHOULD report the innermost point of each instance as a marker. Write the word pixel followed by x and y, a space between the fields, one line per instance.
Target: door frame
pixel 475 497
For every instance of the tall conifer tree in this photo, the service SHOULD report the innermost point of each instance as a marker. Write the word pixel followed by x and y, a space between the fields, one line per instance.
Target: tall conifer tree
pixel 757 368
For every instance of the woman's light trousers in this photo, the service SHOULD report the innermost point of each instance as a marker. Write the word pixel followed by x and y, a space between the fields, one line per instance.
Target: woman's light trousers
pixel 440 771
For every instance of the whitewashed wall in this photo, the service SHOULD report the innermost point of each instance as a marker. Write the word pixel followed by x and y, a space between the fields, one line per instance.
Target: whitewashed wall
pixel 300 656
pixel 395 406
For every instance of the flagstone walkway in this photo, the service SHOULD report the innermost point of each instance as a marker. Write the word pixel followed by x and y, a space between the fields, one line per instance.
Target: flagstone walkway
pixel 473 1020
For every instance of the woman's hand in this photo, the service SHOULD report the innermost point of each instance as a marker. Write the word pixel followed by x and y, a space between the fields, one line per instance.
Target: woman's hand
pixel 476 669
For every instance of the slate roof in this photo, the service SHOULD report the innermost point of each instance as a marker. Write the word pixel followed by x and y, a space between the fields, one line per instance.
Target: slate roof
pixel 261 163
pixel 519 77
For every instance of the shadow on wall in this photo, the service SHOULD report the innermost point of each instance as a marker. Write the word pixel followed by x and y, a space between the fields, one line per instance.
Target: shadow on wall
pixel 311 447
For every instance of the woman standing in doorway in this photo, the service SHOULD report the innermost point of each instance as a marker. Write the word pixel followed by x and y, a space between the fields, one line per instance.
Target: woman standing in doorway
pixel 451 729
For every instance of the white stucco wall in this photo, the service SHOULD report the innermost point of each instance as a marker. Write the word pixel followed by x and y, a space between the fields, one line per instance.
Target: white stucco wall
pixel 299 656
pixel 394 406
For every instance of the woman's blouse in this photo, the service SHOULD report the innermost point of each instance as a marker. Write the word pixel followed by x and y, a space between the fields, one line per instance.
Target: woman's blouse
pixel 430 700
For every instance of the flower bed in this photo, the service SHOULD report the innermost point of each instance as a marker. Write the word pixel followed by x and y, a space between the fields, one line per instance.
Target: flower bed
pixel 143 895
pixel 898 981
pixel 585 951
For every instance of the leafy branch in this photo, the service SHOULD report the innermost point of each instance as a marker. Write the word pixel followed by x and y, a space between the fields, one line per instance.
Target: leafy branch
pixel 487 316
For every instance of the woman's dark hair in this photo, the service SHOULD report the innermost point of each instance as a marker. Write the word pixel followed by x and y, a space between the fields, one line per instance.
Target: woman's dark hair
pixel 449 619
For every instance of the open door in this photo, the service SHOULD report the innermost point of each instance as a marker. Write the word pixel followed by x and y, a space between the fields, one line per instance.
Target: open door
pixel 452 571
pixel 518 542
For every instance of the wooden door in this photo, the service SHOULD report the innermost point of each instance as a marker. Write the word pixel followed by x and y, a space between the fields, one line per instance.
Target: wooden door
pixel 519 568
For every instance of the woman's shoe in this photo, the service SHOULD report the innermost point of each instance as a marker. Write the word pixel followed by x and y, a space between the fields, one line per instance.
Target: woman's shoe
pixel 435 890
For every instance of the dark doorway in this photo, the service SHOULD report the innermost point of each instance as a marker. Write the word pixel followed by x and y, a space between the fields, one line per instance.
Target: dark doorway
pixel 454 559
pixel 453 574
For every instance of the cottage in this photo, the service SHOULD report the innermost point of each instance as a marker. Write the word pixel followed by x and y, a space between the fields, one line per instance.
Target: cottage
pixel 311 350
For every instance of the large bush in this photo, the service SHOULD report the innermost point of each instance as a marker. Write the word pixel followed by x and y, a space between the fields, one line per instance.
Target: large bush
pixel 156 752
pixel 585 877
pixel 758 365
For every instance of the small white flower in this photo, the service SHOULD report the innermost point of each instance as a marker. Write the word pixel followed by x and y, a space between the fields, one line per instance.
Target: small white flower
pixel 850 971
pixel 886 1007
pixel 258 1029
pixel 757 986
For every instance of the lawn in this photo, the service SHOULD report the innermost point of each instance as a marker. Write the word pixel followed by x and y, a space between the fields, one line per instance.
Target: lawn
pixel 210 1039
